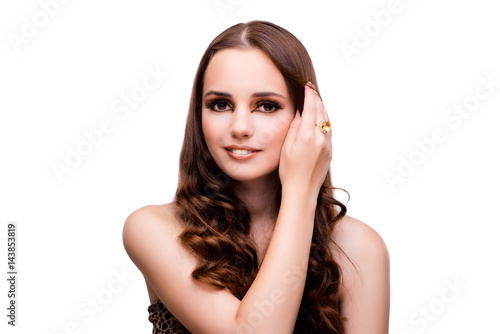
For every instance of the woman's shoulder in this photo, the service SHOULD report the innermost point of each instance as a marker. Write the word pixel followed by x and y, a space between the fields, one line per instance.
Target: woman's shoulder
pixel 359 241
pixel 365 283
pixel 151 215
pixel 148 224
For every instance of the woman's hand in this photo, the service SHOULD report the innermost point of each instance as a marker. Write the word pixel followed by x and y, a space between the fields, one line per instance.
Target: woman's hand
pixel 306 152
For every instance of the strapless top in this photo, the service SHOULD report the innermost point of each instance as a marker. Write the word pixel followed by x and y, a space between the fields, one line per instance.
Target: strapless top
pixel 163 321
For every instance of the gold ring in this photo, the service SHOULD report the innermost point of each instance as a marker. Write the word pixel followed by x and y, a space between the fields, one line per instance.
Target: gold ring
pixel 324 126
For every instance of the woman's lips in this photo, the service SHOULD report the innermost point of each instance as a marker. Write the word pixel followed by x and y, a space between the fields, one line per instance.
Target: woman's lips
pixel 241 152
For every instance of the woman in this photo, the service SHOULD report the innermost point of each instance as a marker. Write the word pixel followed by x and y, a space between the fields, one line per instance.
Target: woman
pixel 254 241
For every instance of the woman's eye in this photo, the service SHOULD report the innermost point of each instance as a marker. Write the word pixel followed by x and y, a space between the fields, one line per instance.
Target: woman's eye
pixel 217 105
pixel 220 106
pixel 269 107
pixel 263 106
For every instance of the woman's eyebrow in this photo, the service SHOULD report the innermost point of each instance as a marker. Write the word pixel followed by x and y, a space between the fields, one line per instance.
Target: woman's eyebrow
pixel 258 94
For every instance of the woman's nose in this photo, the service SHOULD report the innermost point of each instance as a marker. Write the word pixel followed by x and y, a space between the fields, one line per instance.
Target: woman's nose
pixel 241 123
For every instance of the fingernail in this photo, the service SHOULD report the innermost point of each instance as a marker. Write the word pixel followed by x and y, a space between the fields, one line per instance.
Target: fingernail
pixel 310 84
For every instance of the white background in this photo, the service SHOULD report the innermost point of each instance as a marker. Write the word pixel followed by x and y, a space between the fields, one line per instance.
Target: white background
pixel 440 224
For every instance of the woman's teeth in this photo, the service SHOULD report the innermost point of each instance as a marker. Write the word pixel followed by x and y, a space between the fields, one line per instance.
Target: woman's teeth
pixel 241 152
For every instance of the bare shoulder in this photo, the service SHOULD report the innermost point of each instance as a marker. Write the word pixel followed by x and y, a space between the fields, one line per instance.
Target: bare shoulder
pixel 148 225
pixel 150 215
pixel 359 241
pixel 365 284
pixel 150 237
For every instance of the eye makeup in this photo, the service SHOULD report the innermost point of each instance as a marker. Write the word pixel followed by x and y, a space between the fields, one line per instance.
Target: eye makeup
pixel 215 105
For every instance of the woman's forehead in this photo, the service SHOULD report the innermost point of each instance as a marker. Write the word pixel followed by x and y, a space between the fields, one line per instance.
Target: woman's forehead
pixel 238 70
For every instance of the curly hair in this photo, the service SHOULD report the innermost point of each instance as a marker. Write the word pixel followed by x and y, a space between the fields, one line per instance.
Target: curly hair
pixel 217 222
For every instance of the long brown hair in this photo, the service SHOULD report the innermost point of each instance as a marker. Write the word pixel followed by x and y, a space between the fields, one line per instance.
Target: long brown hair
pixel 217 222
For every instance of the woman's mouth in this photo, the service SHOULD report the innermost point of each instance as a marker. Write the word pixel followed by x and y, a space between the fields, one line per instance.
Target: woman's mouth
pixel 241 153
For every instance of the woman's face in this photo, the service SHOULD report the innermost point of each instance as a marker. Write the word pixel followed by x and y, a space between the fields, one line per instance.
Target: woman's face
pixel 246 112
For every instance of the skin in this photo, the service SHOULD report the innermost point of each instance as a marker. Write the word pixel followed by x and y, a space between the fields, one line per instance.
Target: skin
pixel 245 121
pixel 294 151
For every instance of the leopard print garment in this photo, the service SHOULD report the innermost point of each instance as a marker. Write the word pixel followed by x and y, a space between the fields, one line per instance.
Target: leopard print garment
pixel 163 321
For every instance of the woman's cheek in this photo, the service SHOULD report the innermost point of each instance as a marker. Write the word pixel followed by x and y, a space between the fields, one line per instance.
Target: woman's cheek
pixel 211 128
pixel 272 131
pixel 282 128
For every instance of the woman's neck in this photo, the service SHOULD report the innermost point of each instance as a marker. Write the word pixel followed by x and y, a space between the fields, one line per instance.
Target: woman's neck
pixel 259 196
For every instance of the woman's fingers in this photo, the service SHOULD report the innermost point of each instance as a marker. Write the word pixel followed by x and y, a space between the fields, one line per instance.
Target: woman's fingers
pixel 314 111
pixel 309 113
pixel 306 151
pixel 292 131
pixel 323 116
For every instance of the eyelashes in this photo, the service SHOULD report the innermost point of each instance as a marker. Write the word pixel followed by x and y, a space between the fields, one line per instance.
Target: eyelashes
pixel 220 105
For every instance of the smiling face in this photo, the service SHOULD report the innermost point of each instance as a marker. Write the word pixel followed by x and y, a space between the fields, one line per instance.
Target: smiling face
pixel 246 113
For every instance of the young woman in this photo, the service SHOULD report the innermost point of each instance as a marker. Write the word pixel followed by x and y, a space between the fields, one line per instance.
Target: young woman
pixel 255 241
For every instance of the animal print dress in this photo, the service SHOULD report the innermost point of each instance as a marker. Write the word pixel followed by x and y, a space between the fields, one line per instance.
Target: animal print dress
pixel 163 321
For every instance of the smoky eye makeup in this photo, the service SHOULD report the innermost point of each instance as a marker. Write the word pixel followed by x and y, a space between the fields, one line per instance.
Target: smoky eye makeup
pixel 215 104
pixel 268 106
pixel 268 103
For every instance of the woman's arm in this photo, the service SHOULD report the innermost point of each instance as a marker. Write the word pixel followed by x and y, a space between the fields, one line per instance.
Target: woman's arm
pixel 273 300
pixel 365 290
pixel 305 159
